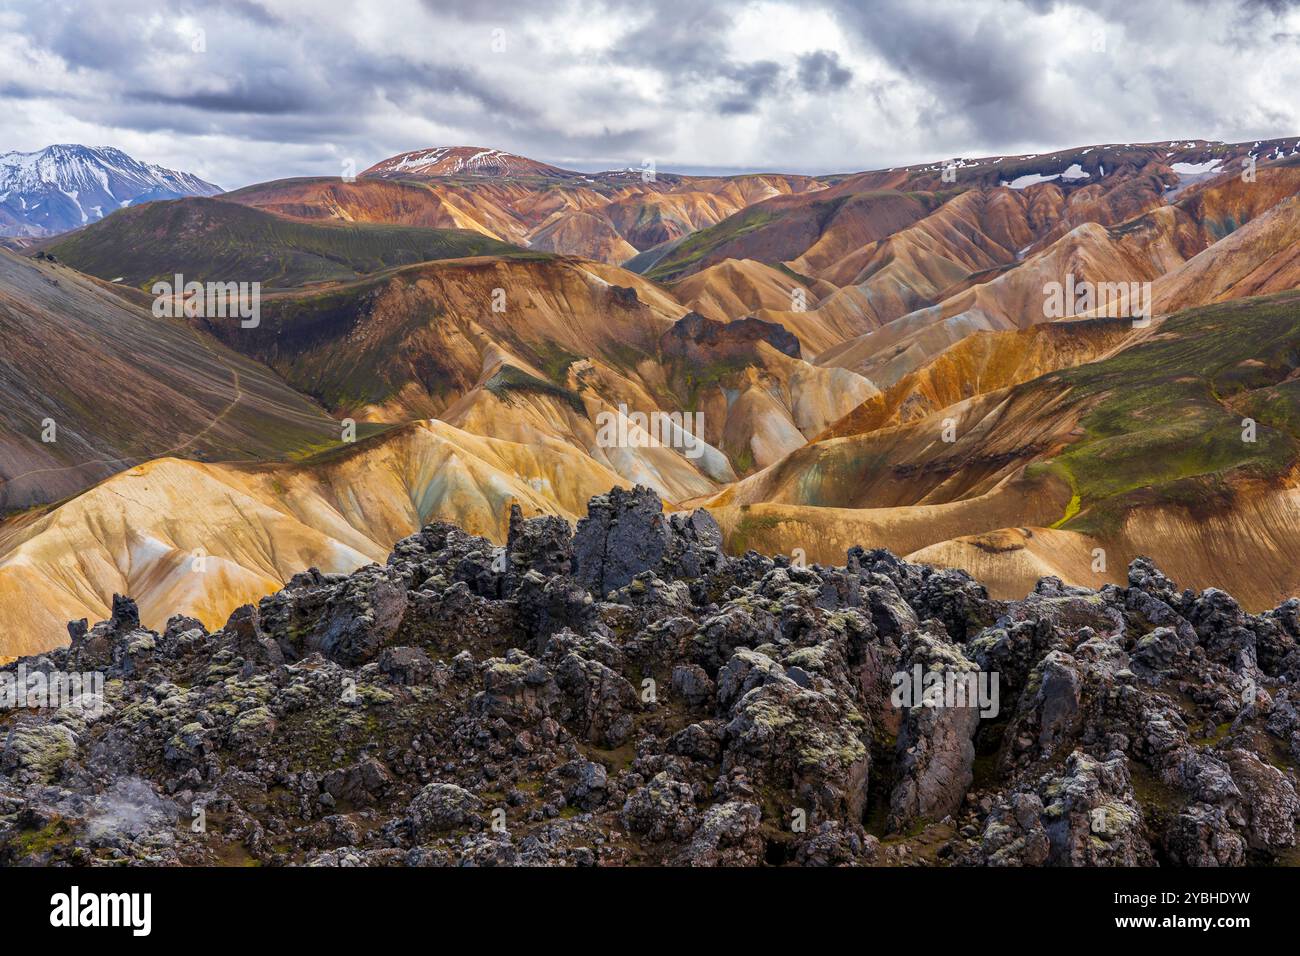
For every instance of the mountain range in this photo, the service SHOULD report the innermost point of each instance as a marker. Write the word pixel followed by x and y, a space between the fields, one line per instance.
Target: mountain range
pixel 65 186
pixel 873 357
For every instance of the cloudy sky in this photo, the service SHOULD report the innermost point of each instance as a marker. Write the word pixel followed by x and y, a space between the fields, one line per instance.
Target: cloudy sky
pixel 241 91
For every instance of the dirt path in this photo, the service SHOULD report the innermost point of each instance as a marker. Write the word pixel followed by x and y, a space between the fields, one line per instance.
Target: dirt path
pixel 174 449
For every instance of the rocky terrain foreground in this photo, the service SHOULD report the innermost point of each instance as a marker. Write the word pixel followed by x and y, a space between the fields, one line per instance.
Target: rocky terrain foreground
pixel 624 693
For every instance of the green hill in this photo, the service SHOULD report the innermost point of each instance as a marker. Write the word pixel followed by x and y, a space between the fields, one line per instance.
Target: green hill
pixel 1163 419
pixel 783 228
pixel 213 240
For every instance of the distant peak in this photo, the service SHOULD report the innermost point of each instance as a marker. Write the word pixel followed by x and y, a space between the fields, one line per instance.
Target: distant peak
pixel 479 161
pixel 67 185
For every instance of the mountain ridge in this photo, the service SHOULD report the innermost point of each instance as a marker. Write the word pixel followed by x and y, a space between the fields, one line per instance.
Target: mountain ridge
pixel 820 332
pixel 65 186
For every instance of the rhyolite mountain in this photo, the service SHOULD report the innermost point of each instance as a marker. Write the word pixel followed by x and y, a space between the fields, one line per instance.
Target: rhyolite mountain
pixel 869 353
pixel 119 387
pixel 65 186
pixel 363 648
pixel 464 161
pixel 610 216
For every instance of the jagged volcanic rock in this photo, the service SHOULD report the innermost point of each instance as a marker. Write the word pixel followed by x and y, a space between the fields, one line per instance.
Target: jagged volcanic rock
pixel 627 694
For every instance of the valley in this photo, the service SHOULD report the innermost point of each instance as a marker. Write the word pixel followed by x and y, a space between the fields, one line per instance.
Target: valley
pixel 594 435
pixel 870 356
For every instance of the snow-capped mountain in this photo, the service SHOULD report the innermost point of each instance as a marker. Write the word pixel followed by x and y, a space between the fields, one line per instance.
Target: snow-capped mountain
pixel 65 186
pixel 464 161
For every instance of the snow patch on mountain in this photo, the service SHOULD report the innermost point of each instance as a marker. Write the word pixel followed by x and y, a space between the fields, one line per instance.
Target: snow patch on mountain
pixel 66 186
pixel 1196 169
pixel 464 161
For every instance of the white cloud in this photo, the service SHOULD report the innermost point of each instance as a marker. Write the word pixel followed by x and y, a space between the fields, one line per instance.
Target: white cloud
pixel 292 88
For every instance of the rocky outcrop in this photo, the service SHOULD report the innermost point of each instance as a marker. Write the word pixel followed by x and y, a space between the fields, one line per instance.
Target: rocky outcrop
pixel 936 743
pixel 626 532
pixel 626 694
pixel 700 340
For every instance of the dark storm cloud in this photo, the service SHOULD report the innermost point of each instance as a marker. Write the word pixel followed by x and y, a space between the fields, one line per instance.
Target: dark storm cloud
pixel 500 12
pixel 250 10
pixel 403 79
pixel 686 43
pixel 679 39
pixel 970 65
pixel 754 82
pixel 986 66
pixel 1272 6
pixel 821 71
pixel 15 89
pixel 241 97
